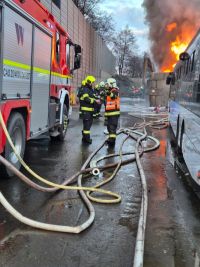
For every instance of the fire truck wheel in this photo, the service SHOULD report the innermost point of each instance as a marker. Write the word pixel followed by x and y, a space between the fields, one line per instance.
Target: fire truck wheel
pixel 17 131
pixel 64 126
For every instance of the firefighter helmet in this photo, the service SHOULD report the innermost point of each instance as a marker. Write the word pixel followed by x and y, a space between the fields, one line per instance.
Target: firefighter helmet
pixel 112 82
pixel 83 82
pixel 90 79
pixel 101 84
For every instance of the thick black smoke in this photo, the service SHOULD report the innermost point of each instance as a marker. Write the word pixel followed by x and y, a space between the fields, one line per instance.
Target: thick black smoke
pixel 185 14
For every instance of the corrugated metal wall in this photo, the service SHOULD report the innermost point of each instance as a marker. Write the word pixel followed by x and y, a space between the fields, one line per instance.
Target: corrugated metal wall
pixel 97 59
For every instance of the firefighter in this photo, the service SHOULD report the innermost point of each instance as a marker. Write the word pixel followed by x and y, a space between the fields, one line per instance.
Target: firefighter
pixel 112 110
pixel 87 100
pixel 79 92
pixel 102 92
pixel 97 104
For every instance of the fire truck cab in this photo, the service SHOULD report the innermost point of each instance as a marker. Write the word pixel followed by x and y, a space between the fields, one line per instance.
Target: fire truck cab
pixel 35 57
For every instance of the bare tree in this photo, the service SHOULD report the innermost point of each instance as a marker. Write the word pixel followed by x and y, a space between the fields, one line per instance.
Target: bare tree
pixel 135 66
pixel 103 24
pixel 86 6
pixel 123 47
pixel 101 21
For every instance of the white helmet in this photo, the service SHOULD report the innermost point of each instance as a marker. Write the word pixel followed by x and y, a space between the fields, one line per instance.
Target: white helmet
pixel 101 84
pixel 111 82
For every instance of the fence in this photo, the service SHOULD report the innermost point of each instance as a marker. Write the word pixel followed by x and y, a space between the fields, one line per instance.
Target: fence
pixel 97 59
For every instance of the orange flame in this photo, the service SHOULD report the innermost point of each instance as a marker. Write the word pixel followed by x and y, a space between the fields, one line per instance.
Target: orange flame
pixel 177 46
pixel 166 70
pixel 172 26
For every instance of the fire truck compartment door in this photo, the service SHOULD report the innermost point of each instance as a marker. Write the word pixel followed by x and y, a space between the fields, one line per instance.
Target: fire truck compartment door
pixel 17 46
pixel 40 82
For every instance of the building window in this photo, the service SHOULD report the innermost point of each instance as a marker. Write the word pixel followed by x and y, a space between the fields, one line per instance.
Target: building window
pixel 57 3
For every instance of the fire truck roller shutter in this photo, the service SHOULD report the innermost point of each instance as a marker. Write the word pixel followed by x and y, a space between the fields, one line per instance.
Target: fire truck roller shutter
pixel 17 44
pixel 41 82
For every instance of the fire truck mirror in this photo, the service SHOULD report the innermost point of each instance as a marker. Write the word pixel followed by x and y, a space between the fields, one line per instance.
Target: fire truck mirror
pixel 184 56
pixel 77 49
pixel 77 61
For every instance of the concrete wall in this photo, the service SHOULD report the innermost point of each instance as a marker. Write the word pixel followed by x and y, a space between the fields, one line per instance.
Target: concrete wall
pixel 97 59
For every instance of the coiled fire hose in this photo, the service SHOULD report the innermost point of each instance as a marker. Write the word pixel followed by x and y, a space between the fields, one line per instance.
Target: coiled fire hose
pixel 58 186
pixel 112 176
pixel 81 189
pixel 139 150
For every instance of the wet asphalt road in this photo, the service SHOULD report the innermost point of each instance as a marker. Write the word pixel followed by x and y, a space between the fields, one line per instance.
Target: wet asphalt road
pixel 173 226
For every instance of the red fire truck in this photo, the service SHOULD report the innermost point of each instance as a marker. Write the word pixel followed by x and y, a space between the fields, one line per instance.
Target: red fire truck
pixel 35 55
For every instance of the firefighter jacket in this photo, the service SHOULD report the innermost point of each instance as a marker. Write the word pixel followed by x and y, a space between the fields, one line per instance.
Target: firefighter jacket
pixel 97 94
pixel 87 99
pixel 79 91
pixel 102 92
pixel 112 102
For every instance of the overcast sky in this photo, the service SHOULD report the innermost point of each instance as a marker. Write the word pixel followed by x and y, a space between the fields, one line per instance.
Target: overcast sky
pixel 129 12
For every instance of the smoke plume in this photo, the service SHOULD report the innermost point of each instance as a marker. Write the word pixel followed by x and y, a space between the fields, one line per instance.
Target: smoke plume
pixel 171 21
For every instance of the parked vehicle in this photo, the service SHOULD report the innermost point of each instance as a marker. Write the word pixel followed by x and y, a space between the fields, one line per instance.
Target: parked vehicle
pixel 36 61
pixel 184 106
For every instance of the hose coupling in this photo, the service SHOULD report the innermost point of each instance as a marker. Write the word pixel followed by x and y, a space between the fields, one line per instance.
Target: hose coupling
pixel 95 171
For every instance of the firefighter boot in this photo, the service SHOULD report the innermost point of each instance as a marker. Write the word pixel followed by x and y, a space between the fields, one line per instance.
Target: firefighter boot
pixel 111 142
pixel 86 139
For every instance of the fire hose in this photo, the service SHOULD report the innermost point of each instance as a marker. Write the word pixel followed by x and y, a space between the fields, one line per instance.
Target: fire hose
pixel 131 133
pixel 55 185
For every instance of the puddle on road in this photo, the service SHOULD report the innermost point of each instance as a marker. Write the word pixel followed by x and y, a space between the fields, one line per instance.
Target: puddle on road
pixel 131 211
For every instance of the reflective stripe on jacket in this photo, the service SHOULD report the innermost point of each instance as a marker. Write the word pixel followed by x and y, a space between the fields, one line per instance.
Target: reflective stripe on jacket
pixel 87 99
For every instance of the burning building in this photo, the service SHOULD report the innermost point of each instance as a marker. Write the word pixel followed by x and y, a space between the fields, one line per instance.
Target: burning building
pixel 172 25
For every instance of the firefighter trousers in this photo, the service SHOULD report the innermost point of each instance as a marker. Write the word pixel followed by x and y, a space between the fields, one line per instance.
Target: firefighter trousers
pixel 87 123
pixel 112 123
